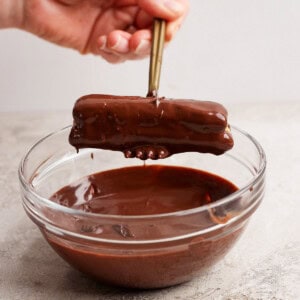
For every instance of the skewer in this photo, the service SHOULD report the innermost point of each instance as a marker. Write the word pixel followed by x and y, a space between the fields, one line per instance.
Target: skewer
pixel 158 40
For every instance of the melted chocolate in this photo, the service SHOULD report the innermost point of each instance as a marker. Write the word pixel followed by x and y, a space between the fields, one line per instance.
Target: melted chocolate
pixel 149 127
pixel 143 191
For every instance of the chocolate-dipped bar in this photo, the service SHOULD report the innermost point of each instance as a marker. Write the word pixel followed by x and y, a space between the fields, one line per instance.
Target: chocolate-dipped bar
pixel 150 127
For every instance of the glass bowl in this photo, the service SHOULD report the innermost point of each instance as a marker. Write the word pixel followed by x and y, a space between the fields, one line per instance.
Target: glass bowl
pixel 194 240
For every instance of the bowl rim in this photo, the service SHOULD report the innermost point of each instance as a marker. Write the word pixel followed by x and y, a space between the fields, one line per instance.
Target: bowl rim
pixel 53 205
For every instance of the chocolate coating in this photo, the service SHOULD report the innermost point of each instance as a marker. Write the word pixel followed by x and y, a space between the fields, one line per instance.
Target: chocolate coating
pixel 149 127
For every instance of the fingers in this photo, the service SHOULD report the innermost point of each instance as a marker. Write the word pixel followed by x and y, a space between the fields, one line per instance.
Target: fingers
pixel 116 42
pixel 113 48
pixel 69 2
pixel 172 28
pixel 113 58
pixel 173 11
pixel 140 43
pixel 119 45
pixel 169 10
pixel 143 19
pixel 135 43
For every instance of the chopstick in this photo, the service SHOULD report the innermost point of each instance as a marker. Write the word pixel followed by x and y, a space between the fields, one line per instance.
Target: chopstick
pixel 158 40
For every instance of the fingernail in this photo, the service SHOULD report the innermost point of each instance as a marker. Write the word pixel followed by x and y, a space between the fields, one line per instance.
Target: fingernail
pixel 102 42
pixel 121 45
pixel 143 47
pixel 173 6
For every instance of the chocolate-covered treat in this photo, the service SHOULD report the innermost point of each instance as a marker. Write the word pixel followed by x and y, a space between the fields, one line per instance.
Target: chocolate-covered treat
pixel 150 127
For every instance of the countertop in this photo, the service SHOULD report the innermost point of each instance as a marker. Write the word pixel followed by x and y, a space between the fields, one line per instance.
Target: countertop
pixel 264 264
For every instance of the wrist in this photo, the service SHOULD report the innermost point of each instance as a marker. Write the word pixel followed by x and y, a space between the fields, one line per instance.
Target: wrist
pixel 11 13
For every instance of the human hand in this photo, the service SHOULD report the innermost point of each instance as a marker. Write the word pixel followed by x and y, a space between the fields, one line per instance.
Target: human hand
pixel 117 30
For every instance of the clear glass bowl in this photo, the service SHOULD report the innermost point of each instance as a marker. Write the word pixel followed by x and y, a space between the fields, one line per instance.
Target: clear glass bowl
pixel 195 239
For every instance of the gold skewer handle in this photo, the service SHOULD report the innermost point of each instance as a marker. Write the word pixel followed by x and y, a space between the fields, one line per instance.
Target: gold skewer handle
pixel 158 40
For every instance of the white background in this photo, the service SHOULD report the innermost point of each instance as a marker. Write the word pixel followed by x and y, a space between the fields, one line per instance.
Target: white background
pixel 231 51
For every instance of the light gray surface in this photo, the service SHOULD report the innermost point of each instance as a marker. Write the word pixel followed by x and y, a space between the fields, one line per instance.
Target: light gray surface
pixel 264 264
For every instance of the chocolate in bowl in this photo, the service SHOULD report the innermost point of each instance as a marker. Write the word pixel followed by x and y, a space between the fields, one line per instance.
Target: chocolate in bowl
pixel 140 251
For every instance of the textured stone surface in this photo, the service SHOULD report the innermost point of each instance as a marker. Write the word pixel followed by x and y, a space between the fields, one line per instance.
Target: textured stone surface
pixel 264 264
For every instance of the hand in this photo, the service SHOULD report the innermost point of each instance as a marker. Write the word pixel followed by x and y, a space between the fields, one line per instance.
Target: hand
pixel 117 30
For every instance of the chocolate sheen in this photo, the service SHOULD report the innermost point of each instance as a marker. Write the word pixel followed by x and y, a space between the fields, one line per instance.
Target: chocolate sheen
pixel 149 127
pixel 145 190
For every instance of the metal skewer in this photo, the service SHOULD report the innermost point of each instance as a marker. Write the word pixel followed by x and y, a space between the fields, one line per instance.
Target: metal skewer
pixel 158 40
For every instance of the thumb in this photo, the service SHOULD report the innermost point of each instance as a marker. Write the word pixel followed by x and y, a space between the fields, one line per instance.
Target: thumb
pixel 165 9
